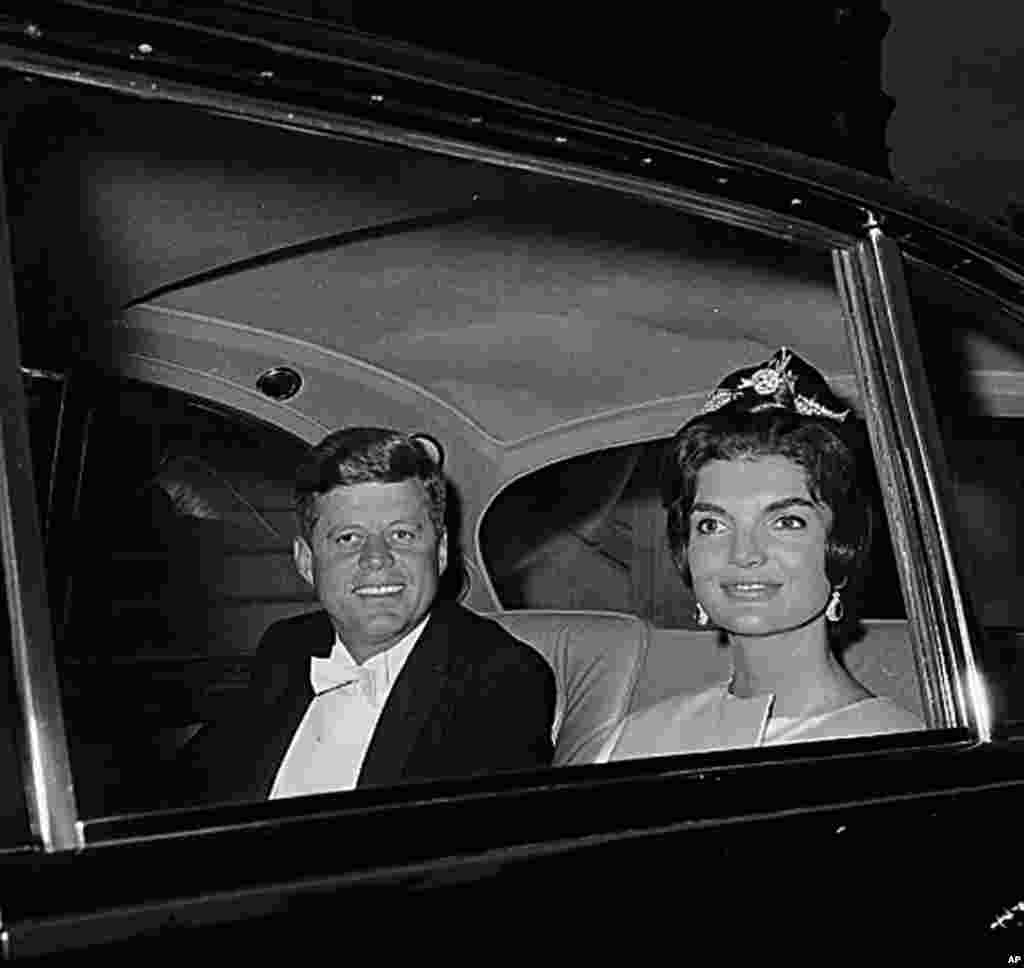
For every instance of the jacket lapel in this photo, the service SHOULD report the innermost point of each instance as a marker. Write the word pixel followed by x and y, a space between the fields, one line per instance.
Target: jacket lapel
pixel 415 697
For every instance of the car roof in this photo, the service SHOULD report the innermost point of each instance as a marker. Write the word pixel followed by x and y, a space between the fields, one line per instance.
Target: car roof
pixel 513 297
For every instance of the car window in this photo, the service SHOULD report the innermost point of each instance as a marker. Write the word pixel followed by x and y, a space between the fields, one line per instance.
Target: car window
pixel 552 334
pixel 43 398
pixel 180 557
pixel 973 353
pixel 14 824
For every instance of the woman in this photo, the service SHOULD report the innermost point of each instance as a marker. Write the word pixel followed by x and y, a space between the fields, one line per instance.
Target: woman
pixel 770 524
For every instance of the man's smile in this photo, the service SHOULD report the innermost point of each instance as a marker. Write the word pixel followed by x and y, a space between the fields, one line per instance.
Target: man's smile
pixel 378 590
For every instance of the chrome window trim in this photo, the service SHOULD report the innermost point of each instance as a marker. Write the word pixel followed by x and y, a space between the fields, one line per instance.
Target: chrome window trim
pixel 53 813
pixel 335 124
pixel 259 57
pixel 911 466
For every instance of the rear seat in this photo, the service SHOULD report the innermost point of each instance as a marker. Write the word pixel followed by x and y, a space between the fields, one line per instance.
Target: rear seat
pixel 597 658
pixel 609 664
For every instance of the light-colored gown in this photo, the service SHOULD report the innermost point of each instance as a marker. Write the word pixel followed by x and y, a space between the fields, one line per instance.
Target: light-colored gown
pixel 715 719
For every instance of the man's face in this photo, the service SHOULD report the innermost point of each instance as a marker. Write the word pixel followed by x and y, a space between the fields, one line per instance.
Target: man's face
pixel 374 559
pixel 757 545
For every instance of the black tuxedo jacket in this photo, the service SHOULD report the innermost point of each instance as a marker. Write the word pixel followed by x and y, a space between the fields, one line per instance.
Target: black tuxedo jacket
pixel 470 699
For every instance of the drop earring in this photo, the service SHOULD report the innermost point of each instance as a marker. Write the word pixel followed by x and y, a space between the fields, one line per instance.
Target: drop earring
pixel 834 611
pixel 700 616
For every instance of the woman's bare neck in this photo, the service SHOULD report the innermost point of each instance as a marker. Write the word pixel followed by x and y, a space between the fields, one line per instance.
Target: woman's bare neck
pixel 797 667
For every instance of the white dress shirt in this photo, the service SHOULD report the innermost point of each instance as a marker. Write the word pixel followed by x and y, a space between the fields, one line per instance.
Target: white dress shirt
pixel 327 750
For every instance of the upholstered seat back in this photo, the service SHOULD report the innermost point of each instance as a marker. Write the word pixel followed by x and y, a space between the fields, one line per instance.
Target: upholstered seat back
pixel 596 657
pixel 608 664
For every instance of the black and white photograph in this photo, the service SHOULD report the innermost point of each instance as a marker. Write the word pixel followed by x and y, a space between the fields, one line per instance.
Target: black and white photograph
pixel 480 478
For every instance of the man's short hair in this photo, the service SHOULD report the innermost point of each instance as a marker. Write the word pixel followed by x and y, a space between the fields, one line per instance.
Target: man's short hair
pixel 369 455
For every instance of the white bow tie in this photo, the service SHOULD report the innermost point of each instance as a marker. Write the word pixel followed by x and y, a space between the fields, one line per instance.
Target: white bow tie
pixel 325 675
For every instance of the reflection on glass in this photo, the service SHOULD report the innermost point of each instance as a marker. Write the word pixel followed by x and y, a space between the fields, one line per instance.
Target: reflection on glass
pixel 43 400
pixel 14 823
pixel 182 557
pixel 973 352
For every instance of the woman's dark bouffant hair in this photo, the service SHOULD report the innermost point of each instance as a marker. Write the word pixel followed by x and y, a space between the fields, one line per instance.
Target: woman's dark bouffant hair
pixel 830 453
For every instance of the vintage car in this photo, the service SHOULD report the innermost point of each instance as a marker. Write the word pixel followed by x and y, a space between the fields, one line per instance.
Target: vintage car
pixel 222 244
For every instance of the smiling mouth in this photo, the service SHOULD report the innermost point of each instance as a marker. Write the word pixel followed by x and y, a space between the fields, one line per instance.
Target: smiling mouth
pixel 750 590
pixel 378 591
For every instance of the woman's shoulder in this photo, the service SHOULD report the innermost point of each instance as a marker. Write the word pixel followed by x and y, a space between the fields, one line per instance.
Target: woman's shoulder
pixel 886 715
pixel 871 716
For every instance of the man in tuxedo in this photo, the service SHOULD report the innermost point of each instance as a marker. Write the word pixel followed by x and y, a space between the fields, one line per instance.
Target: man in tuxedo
pixel 385 684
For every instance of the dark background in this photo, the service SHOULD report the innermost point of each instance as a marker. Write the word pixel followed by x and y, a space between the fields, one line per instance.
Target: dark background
pixel 925 92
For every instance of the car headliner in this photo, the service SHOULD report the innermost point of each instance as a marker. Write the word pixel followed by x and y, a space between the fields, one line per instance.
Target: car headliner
pixel 522 317
pixel 521 303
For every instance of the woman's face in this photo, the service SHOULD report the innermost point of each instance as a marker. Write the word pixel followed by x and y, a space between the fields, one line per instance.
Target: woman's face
pixel 757 545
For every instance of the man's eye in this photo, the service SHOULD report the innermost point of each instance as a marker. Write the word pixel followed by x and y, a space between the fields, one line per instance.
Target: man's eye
pixel 348 539
pixel 404 536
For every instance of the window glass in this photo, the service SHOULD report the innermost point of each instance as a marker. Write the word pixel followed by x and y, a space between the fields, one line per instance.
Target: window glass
pixel 42 395
pixel 182 556
pixel 43 399
pixel 973 351
pixel 553 334
pixel 13 808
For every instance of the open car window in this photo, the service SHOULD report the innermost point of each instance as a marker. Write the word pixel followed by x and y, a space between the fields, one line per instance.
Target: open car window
pixel 172 569
pixel 973 356
pixel 14 818
pixel 551 333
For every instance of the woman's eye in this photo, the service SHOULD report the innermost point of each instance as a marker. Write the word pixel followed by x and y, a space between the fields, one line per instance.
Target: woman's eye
pixel 707 526
pixel 403 536
pixel 791 522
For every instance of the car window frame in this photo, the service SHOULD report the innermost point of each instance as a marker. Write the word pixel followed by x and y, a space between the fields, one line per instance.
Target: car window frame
pixel 49 786
pixel 997 723
pixel 869 269
pixel 914 476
